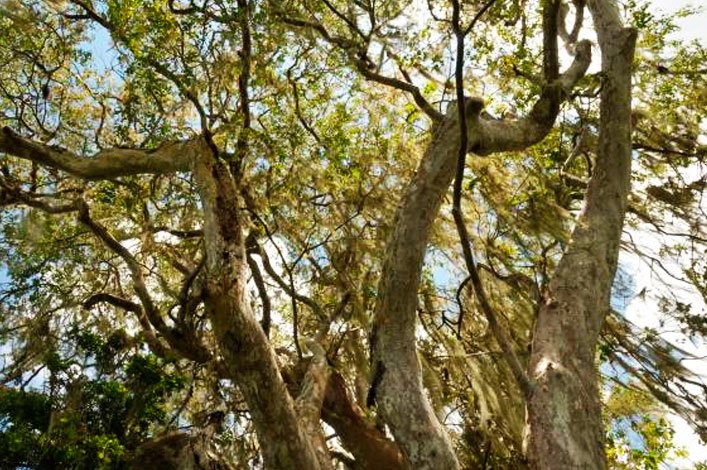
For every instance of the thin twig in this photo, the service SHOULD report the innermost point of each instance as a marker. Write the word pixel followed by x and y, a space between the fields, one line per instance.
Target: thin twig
pixel 498 331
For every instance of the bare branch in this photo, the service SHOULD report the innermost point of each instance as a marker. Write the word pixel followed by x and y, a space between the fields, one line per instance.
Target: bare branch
pixel 243 83
pixel 157 346
pixel 188 345
pixel 570 37
pixel 11 194
pixel 114 300
pixel 134 267
pixel 287 287
pixel 506 136
pixel 551 61
pixel 106 164
pixel 352 26
pixel 262 292
pixel 365 67
pixel 298 111
pixel 177 233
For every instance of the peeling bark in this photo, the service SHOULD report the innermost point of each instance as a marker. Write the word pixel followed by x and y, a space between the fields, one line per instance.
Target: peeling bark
pixel 247 356
pixel 310 399
pixel 565 429
pixel 370 447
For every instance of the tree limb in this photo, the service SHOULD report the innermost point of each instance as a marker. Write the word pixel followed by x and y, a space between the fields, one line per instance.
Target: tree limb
pixel 497 329
pixel 106 164
pixel 507 136
pixel 243 83
pixel 311 397
pixel 187 344
pixel 365 67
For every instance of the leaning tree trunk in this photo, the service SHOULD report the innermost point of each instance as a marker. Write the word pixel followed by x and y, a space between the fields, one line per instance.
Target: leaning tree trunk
pixel 397 379
pixel 396 384
pixel 248 358
pixel 565 429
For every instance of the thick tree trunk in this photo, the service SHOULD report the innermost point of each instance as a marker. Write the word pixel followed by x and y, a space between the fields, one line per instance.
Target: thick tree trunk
pixel 397 383
pixel 247 355
pixel 564 411
pixel 369 445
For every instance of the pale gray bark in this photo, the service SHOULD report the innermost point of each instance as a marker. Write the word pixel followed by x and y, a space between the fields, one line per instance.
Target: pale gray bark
pixel 397 376
pixel 396 381
pixel 564 411
pixel 248 357
pixel 311 398
pixel 106 164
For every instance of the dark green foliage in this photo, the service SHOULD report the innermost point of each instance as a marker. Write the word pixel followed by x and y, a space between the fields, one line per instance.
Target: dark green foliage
pixel 86 422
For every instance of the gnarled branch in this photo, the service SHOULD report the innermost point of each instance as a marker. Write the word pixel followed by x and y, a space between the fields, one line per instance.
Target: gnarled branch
pixel 106 164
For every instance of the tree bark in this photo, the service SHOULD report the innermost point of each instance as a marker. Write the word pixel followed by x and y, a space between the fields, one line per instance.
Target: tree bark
pixel 310 399
pixel 248 358
pixel 397 379
pixel 565 429
pixel 109 163
pixel 396 382
pixel 369 445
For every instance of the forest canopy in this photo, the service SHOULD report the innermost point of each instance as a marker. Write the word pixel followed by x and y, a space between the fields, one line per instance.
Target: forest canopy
pixel 350 234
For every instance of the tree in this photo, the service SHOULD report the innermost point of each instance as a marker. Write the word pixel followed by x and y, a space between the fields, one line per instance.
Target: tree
pixel 247 199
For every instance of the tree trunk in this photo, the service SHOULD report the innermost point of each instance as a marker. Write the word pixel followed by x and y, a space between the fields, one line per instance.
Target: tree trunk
pixel 397 383
pixel 248 358
pixel 369 445
pixel 565 430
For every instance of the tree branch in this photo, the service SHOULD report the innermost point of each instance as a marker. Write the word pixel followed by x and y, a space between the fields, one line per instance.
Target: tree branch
pixel 155 344
pixel 288 288
pixel 11 194
pixel 262 292
pixel 188 345
pixel 358 57
pixel 106 164
pixel 498 331
pixel 507 136
pixel 243 83
pixel 134 267
pixel 116 301
pixel 311 397
pixel 551 61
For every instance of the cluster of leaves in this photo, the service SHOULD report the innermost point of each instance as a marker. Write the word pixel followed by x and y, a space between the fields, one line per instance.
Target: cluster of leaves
pixel 638 434
pixel 88 417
